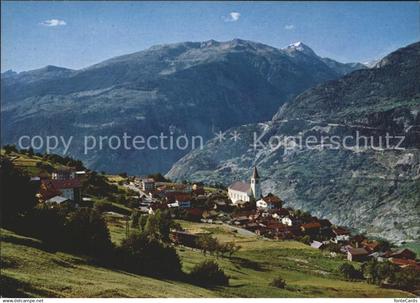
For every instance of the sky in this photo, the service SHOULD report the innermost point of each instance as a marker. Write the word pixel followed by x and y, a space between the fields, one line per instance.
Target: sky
pixel 78 34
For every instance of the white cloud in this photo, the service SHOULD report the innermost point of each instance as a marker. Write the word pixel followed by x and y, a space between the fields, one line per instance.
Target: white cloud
pixel 232 17
pixel 53 22
pixel 289 27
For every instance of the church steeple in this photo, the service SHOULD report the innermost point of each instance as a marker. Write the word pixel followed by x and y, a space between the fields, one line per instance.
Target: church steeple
pixel 255 184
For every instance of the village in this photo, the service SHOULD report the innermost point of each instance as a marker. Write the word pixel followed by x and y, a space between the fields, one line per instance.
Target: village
pixel 243 207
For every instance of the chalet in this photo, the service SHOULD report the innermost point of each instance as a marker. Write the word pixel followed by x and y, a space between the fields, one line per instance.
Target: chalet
pixel 370 246
pixel 405 263
pixel 311 228
pixel 340 234
pixel 241 192
pixel 147 184
pixel 403 253
pixel 269 202
pixel 357 254
pixel 66 188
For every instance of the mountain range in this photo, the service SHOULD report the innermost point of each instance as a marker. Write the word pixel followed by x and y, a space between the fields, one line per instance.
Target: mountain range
pixel 193 88
pixel 256 91
pixel 374 189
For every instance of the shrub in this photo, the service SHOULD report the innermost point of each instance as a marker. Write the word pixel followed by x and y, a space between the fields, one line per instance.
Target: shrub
pixel 140 253
pixel 208 273
pixel 379 273
pixel 349 272
pixel 407 279
pixel 278 282
pixel 88 232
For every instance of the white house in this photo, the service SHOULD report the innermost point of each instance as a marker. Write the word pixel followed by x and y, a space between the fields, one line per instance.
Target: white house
pixel 269 202
pixel 340 235
pixel 286 221
pixel 243 191
pixel 262 204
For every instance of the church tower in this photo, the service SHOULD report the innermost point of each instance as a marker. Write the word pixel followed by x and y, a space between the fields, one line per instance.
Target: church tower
pixel 255 184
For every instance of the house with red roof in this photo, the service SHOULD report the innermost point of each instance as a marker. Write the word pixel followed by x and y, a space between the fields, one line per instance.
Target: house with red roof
pixel 63 184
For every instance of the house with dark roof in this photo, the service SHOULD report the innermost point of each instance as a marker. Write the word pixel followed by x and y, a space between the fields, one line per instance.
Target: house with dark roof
pixel 311 228
pixel 243 191
pixel 403 253
pixel 357 254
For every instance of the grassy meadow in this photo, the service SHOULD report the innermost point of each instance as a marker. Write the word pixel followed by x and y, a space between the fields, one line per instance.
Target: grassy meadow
pixel 308 273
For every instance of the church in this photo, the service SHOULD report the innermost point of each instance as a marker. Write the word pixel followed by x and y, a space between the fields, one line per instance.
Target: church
pixel 240 192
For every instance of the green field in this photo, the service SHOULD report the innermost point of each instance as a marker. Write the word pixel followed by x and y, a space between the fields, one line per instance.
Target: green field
pixel 30 270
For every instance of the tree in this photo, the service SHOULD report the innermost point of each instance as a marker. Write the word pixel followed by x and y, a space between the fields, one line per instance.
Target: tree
pixel 17 193
pixel 208 273
pixel 379 272
pixel 88 232
pixel 48 224
pixel 158 225
pixel 10 148
pixel 407 279
pixel 207 244
pixel 140 253
pixel 349 272
pixel 229 248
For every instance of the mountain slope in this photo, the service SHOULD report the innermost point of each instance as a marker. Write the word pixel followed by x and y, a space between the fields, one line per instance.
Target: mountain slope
pixel 373 190
pixel 196 88
pixel 30 270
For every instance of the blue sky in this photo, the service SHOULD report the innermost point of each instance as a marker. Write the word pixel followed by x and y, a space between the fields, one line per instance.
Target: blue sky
pixel 77 34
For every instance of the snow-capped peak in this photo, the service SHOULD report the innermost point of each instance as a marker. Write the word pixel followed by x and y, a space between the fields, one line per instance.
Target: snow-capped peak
pixel 300 47
pixel 297 45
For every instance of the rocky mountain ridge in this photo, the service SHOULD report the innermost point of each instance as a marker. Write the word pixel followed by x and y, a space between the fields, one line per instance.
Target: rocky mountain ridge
pixel 373 188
